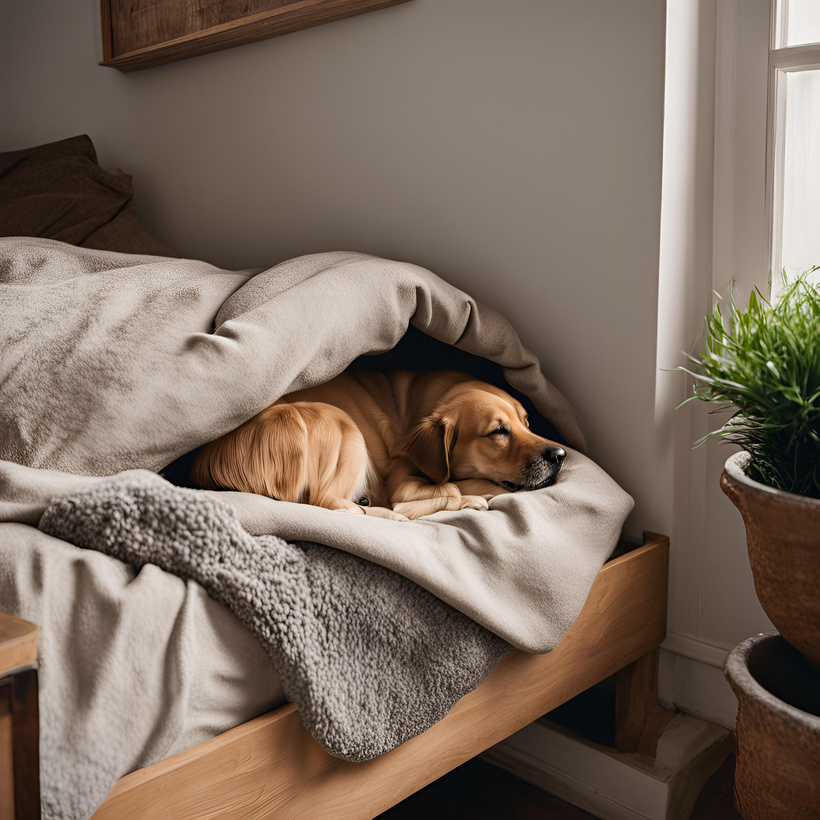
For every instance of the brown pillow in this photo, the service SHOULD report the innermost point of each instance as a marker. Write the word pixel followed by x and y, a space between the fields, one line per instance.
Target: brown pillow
pixel 125 234
pixel 58 191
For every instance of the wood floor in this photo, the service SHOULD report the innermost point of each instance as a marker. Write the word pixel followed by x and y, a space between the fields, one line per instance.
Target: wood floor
pixel 479 791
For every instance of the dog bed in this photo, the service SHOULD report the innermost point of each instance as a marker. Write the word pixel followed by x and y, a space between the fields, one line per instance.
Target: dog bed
pixel 112 362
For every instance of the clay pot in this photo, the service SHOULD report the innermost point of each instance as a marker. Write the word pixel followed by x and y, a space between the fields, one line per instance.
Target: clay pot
pixel 778 730
pixel 783 538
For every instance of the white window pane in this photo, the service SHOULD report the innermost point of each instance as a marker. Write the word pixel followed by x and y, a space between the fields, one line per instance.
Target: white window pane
pixel 801 173
pixel 802 21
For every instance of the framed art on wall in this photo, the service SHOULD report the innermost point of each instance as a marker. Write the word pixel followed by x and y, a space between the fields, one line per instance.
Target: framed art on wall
pixel 143 33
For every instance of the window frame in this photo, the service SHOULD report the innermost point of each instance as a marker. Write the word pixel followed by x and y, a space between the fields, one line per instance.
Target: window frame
pixel 783 60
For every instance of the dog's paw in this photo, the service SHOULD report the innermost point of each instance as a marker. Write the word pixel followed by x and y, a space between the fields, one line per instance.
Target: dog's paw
pixel 449 491
pixel 410 510
pixel 474 502
pixel 383 512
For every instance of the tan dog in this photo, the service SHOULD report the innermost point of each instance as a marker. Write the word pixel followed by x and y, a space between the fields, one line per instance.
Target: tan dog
pixel 414 442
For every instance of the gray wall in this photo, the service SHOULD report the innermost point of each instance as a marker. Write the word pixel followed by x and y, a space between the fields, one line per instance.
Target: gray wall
pixel 512 147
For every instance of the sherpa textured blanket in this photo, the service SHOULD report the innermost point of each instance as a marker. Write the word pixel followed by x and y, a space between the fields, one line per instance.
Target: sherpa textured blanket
pixel 110 362
pixel 370 658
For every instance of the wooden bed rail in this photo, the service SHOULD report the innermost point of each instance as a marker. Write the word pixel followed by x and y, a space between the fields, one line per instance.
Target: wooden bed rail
pixel 272 767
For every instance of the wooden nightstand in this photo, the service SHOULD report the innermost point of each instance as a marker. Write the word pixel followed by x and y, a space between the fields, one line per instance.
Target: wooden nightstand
pixel 19 720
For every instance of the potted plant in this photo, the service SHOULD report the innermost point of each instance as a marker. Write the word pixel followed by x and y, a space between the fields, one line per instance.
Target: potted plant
pixel 763 362
pixel 778 729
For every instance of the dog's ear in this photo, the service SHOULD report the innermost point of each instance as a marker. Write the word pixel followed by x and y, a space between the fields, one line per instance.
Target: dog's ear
pixel 429 445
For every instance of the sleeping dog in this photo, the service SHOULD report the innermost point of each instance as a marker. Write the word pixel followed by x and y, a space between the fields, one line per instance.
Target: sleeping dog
pixel 413 443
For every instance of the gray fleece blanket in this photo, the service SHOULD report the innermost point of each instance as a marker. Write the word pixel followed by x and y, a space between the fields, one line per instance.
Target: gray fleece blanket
pixel 370 658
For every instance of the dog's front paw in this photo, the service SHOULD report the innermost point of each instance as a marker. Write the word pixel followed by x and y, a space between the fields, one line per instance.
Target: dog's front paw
pixel 473 502
pixel 343 505
pixel 383 512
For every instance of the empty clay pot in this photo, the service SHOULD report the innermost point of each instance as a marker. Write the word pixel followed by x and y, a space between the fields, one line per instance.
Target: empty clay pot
pixel 778 730
pixel 783 538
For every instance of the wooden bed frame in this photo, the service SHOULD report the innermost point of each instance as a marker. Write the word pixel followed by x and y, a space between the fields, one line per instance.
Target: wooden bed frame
pixel 271 766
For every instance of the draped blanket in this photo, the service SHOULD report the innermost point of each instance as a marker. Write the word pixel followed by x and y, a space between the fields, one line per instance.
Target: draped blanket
pixel 112 362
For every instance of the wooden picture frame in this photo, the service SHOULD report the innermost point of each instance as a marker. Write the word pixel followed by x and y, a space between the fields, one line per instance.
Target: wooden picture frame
pixel 143 33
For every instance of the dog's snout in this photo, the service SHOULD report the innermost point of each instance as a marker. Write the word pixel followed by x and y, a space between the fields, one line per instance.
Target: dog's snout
pixel 554 455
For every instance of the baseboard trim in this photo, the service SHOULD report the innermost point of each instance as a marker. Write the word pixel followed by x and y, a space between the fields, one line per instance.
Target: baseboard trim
pixel 592 781
pixel 614 785
pixel 695 649
pixel 692 679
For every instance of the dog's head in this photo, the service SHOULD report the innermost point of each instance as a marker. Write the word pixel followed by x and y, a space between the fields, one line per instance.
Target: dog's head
pixel 483 432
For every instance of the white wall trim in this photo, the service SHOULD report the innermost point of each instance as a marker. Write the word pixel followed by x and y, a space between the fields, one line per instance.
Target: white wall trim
pixel 695 649
pixel 580 774
pixel 724 168
pixel 712 230
pixel 616 785
pixel 692 679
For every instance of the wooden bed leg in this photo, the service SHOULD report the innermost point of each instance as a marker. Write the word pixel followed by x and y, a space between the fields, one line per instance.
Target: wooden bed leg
pixel 25 744
pixel 636 699
pixel 19 746
pixel 19 720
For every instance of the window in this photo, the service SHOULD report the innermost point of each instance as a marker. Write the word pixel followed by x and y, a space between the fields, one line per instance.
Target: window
pixel 794 137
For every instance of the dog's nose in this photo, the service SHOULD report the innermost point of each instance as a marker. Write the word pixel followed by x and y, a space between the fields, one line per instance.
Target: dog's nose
pixel 554 455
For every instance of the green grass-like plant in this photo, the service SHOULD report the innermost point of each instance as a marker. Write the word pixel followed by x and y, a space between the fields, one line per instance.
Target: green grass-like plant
pixel 764 361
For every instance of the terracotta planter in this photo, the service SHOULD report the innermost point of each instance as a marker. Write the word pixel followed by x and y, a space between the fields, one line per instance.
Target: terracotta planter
pixel 778 730
pixel 783 537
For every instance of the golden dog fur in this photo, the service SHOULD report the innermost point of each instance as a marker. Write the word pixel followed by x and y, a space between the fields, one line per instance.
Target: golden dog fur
pixel 411 443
